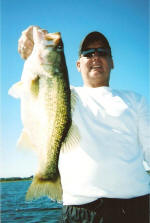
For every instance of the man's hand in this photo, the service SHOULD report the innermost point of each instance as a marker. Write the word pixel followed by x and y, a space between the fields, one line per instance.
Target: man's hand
pixel 26 42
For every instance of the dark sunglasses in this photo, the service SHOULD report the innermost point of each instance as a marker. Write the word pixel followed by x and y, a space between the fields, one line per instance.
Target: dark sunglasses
pixel 90 52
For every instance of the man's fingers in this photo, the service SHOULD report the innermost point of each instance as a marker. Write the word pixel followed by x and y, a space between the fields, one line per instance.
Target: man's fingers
pixel 25 47
pixel 29 32
pixel 26 41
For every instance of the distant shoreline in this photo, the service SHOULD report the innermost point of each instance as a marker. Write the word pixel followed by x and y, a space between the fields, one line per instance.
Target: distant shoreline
pixel 14 179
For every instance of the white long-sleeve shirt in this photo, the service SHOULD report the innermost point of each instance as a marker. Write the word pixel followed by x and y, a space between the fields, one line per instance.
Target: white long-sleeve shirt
pixel 114 128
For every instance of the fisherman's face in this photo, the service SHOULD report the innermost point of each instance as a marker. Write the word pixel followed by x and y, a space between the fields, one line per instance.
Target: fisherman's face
pixel 95 70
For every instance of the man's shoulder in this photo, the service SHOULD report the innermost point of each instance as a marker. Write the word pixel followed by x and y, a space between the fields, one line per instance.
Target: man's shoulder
pixel 131 97
pixel 128 94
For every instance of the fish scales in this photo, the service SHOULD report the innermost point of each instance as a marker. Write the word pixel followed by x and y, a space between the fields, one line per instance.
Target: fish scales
pixel 45 110
pixel 59 114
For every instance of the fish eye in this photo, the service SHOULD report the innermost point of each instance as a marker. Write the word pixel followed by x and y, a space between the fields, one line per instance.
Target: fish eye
pixel 60 48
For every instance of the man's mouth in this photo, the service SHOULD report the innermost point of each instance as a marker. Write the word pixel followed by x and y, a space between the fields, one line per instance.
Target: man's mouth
pixel 96 67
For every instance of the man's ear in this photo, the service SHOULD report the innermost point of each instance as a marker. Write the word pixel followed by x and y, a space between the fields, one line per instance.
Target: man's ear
pixel 111 63
pixel 78 65
pixel 112 66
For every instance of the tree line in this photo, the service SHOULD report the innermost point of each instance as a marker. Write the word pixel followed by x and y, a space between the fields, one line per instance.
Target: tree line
pixel 3 179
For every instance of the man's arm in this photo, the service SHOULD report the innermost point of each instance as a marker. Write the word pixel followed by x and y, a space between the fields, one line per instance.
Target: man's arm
pixel 144 128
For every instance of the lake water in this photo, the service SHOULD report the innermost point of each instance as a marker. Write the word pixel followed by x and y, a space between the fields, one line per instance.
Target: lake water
pixel 14 208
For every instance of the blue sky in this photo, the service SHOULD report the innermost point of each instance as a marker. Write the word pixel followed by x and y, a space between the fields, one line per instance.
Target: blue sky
pixel 125 24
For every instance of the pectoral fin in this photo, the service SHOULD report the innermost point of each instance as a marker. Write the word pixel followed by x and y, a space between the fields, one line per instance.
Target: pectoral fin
pixel 24 141
pixel 35 86
pixel 16 90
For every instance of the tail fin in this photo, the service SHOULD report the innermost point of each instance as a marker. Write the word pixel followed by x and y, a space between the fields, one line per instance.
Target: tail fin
pixel 39 188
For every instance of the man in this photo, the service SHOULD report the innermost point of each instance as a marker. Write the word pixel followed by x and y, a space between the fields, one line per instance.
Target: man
pixel 103 177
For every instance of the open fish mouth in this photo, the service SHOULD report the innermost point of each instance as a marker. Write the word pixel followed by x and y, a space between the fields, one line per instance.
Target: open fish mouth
pixel 55 37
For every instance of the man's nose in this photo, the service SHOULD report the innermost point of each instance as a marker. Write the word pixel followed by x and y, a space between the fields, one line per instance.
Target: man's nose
pixel 95 55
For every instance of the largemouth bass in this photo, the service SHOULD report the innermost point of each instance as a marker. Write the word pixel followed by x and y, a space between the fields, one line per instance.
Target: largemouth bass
pixel 45 110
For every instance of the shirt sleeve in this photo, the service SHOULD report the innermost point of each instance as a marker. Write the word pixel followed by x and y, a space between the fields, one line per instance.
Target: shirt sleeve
pixel 144 128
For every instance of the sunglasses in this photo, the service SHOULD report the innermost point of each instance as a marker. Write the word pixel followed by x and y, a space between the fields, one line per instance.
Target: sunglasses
pixel 90 52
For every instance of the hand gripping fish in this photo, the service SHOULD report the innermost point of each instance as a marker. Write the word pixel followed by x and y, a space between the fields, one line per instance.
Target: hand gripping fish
pixel 45 110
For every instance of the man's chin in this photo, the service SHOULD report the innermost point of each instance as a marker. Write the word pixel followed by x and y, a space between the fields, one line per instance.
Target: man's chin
pixel 96 75
pixel 98 80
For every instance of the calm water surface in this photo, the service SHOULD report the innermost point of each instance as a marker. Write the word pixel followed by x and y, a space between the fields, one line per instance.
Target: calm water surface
pixel 14 208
